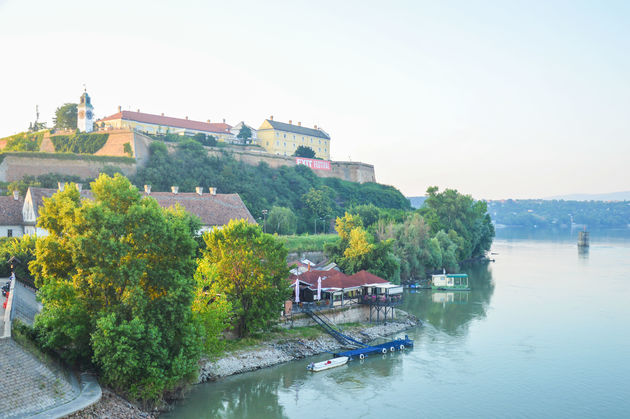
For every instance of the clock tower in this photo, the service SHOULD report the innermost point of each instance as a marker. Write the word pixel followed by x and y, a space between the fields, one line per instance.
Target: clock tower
pixel 85 121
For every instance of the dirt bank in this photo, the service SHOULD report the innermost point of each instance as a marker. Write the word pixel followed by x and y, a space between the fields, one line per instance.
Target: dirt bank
pixel 284 350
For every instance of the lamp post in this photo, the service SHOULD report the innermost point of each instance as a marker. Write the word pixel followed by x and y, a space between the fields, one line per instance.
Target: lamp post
pixel 264 213
pixel 323 220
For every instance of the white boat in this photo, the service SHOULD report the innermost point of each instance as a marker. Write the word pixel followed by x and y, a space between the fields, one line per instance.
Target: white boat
pixel 324 365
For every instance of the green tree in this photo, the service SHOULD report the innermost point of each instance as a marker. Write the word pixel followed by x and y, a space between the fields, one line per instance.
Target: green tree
pixel 245 134
pixel 304 151
pixel 356 250
pixel 66 116
pixel 211 307
pixel 318 204
pixel 250 269
pixel 451 211
pixel 281 220
pixel 115 276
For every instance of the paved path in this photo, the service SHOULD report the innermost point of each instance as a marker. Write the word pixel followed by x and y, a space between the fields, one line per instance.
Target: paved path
pixel 27 386
pixel 25 305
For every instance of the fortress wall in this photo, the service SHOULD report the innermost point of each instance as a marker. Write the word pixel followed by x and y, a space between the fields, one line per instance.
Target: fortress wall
pixel 15 168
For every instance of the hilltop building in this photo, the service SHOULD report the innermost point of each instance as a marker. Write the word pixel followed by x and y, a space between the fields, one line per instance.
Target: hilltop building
pixel 85 113
pixel 283 139
pixel 160 124
pixel 236 129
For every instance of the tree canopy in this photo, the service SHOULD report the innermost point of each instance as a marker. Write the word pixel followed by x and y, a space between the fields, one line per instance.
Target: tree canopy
pixel 115 276
pixel 304 151
pixel 66 116
pixel 250 269
pixel 245 133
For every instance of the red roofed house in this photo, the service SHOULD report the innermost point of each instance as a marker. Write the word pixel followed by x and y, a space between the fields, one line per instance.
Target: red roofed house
pixel 339 289
pixel 160 124
pixel 213 209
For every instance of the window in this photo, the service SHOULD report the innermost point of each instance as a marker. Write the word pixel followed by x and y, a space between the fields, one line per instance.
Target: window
pixel 277 142
pixel 294 137
pixel 9 233
pixel 320 141
pixel 277 134
pixel 319 149
pixel 325 150
pixel 311 141
pixel 285 144
pixel 267 143
pixel 285 135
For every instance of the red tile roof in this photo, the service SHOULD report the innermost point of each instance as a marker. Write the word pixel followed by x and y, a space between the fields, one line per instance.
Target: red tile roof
pixel 168 121
pixel 336 279
pixel 213 210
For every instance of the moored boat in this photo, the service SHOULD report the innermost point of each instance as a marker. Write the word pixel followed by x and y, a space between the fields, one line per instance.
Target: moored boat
pixel 324 365
pixel 450 282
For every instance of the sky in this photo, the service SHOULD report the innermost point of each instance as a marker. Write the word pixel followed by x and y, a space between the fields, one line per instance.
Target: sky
pixel 497 99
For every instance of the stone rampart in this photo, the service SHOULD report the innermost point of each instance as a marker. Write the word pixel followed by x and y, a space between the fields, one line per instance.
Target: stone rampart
pixel 16 167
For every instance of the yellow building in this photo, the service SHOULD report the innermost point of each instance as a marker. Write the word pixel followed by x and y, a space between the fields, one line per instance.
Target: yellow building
pixel 160 124
pixel 283 139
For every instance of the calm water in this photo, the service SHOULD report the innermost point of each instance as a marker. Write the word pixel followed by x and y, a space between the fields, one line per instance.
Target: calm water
pixel 544 333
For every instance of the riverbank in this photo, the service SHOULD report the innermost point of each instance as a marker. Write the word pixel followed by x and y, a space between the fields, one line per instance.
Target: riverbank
pixel 281 350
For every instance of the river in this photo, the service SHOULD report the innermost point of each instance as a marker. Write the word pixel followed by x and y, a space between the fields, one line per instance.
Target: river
pixel 543 333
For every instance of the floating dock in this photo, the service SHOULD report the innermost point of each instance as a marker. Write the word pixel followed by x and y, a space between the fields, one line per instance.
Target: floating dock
pixel 383 348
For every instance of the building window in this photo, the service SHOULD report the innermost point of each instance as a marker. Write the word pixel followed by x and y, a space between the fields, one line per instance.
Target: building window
pixel 320 141
pixel 319 149
pixel 294 137
pixel 277 142
pixel 9 233
pixel 311 141
pixel 277 134
pixel 285 144
pixel 285 135
pixel 267 143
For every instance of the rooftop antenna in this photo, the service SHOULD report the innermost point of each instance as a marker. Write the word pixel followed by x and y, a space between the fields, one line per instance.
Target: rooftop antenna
pixel 36 113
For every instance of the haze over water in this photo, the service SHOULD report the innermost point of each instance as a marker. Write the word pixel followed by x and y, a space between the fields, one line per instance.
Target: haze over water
pixel 543 333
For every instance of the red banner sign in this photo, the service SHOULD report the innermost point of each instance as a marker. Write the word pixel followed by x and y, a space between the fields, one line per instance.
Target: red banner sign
pixel 313 163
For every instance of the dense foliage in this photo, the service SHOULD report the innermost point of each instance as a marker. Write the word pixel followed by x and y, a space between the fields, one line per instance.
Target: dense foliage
pixel 357 250
pixel 24 141
pixel 22 248
pixel 66 117
pixel 80 143
pixel 465 220
pixel 250 269
pixel 561 214
pixel 262 187
pixel 115 276
pixel 304 151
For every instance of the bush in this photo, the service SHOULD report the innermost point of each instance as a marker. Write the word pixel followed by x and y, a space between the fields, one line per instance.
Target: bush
pixel 82 143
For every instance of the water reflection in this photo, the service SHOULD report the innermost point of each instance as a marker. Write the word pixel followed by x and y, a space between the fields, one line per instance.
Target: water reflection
pixel 240 398
pixel 451 311
pixel 583 252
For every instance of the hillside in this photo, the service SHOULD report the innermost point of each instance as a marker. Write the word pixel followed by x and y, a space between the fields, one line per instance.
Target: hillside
pixel 544 213
pixel 611 196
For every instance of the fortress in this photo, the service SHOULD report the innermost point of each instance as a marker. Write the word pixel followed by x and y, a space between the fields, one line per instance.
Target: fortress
pixel 14 166
pixel 126 136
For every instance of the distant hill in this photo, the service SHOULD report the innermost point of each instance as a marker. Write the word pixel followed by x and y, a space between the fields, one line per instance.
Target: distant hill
pixel 612 196
pixel 416 201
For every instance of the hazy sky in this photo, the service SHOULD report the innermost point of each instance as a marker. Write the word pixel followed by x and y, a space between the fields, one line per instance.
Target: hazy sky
pixel 497 99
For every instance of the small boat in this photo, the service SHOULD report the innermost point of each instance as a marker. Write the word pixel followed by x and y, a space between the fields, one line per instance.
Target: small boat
pixel 450 282
pixel 325 365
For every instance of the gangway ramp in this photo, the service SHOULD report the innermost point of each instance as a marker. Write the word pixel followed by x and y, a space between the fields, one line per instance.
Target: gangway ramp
pixel 328 328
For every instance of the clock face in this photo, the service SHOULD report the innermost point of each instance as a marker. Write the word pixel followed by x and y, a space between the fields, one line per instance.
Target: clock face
pixel 81 114
pixel 89 114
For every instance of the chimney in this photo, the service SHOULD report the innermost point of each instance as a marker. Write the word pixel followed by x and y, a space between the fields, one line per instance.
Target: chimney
pixel 147 189
pixel 213 191
pixel 299 124
pixel 138 110
pixel 208 121
pixel 186 118
pixel 224 120
pixel 16 195
pixel 119 108
pixel 79 187
pixel 61 185
pixel 315 126
pixel 199 190
pixel 162 114
pixel 271 118
pixel 174 189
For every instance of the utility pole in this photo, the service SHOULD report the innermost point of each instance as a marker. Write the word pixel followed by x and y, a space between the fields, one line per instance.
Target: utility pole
pixel 264 213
